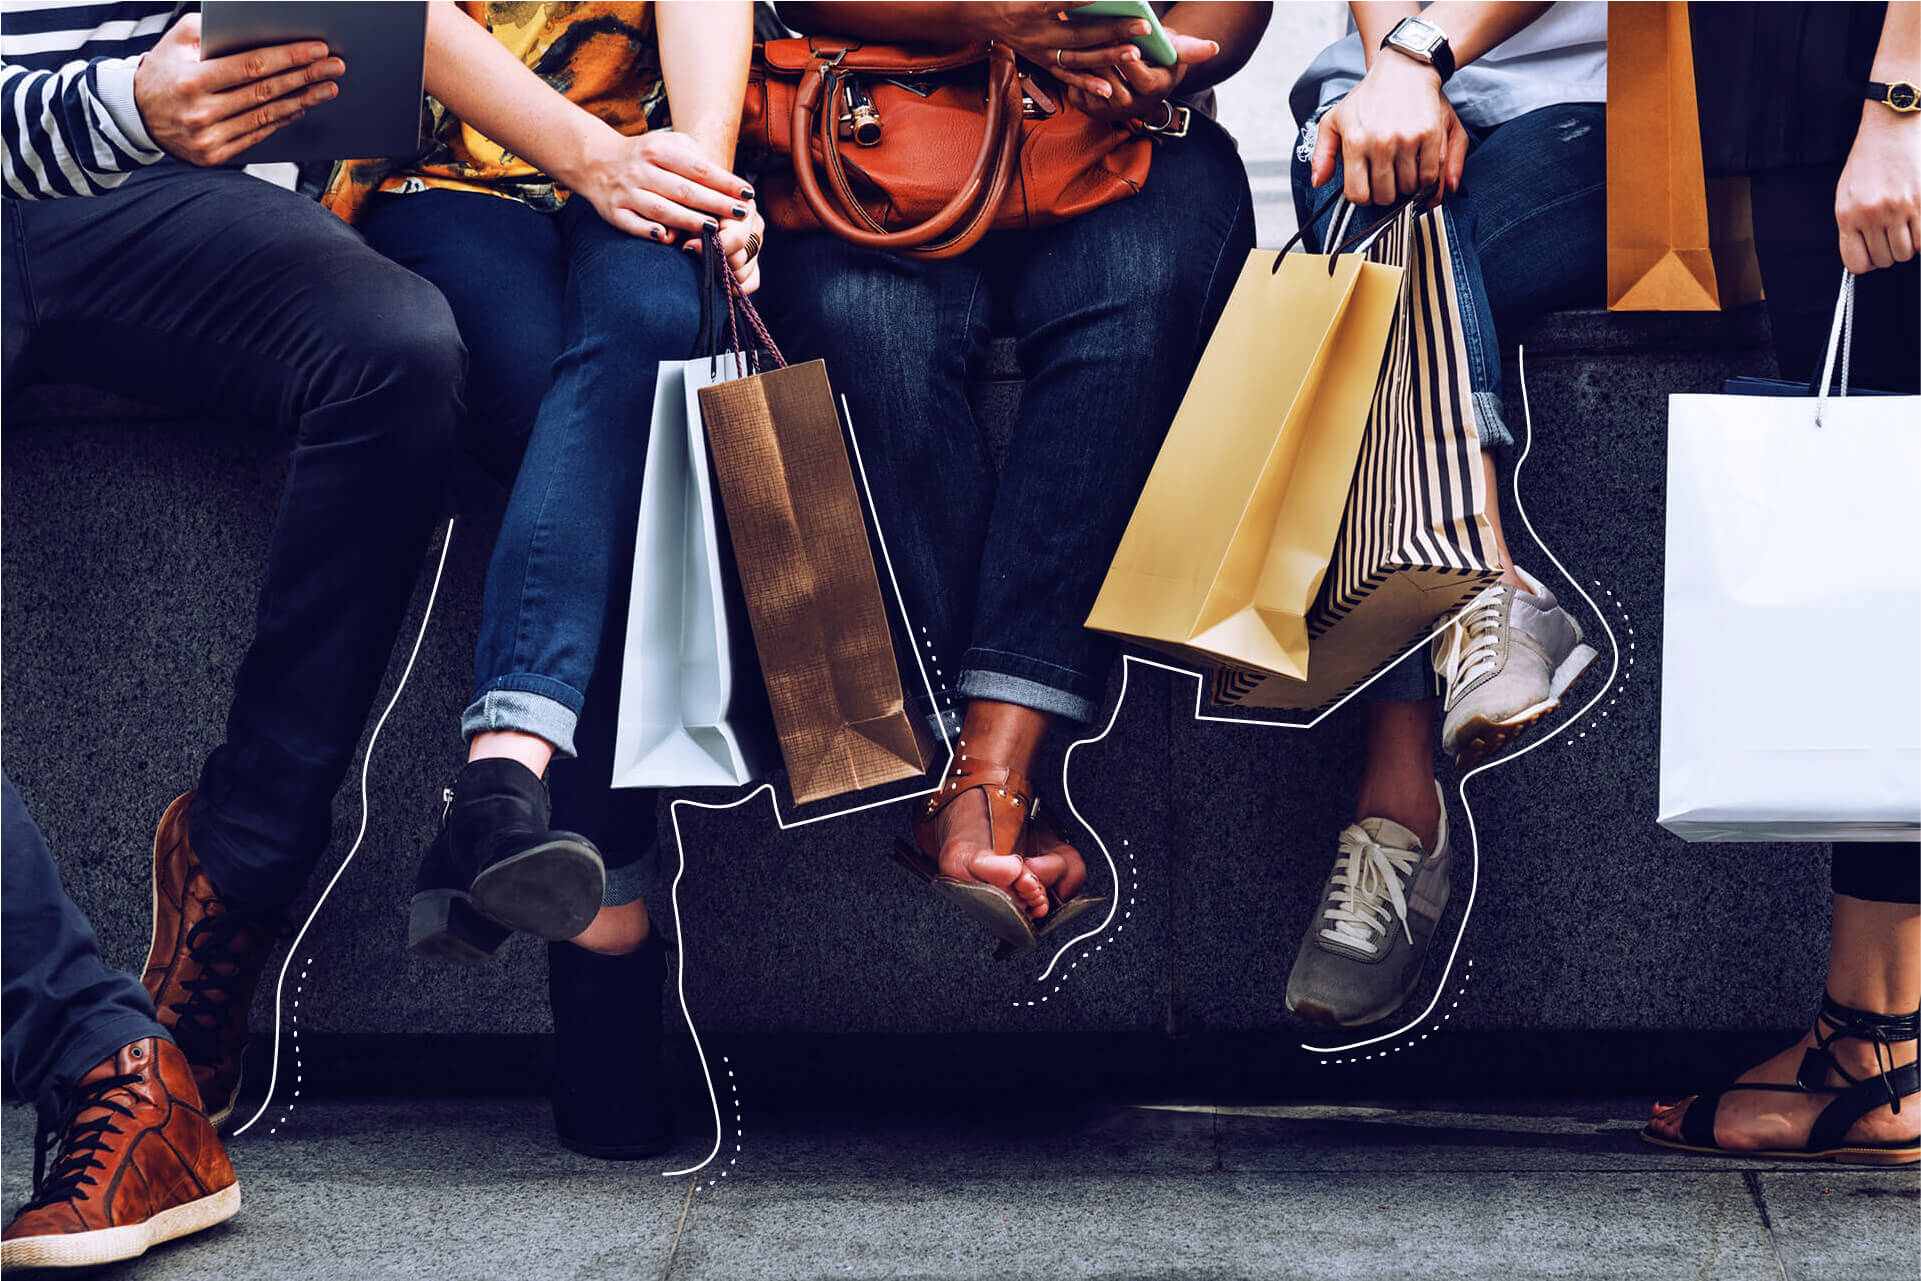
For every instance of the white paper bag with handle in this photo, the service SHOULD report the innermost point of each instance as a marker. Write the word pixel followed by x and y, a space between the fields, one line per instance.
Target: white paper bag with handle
pixel 1791 651
pixel 692 713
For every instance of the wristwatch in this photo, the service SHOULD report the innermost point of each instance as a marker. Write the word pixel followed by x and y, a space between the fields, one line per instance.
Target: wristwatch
pixel 1900 95
pixel 1422 41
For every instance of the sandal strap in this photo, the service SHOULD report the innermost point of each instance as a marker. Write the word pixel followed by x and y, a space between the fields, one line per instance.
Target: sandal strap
pixel 1831 1128
pixel 1009 799
pixel 1883 1031
pixel 1697 1123
pixel 1865 1025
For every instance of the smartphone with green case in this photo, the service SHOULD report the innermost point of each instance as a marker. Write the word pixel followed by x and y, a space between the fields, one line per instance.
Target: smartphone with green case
pixel 1154 46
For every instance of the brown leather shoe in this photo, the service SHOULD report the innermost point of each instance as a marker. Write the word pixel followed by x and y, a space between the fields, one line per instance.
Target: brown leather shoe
pixel 139 1164
pixel 203 964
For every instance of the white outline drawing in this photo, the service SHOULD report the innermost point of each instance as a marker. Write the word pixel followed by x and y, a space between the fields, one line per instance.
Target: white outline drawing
pixel 366 764
pixel 1200 686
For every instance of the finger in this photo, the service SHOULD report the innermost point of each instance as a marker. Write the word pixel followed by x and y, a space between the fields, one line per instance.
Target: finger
pixel 689 194
pixel 1880 252
pixel 675 217
pixel 1119 96
pixel 689 162
pixel 238 69
pixel 1854 253
pixel 624 219
pixel 1380 179
pixel 1192 48
pixel 1327 148
pixel 235 101
pixel 1407 169
pixel 1900 242
pixel 1086 34
pixel 1098 56
pixel 267 118
pixel 1354 164
pixel 1430 161
pixel 220 155
pixel 1456 158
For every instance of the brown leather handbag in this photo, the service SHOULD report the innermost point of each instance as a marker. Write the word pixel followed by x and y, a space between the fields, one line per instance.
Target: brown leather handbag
pixel 924 151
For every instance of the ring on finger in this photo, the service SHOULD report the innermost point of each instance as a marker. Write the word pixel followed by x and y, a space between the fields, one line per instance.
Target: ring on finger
pixel 1057 59
pixel 753 245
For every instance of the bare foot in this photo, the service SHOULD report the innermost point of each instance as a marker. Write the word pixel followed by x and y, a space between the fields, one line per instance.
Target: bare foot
pixel 1057 864
pixel 1748 1120
pixel 967 853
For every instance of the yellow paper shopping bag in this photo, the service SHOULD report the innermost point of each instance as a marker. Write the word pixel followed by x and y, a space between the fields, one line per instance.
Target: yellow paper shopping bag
pixel 1231 537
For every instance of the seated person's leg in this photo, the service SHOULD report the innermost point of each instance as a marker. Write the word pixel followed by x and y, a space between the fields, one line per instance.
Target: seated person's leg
pixel 212 292
pixel 899 336
pixel 1111 312
pixel 81 1042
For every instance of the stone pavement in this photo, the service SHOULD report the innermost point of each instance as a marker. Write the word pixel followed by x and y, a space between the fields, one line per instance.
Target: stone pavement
pixel 475 1189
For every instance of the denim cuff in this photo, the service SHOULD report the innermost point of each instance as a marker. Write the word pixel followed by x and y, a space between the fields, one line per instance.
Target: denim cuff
pixel 976 682
pixel 525 712
pixel 1488 422
pixel 1408 681
pixel 629 881
pixel 86 1049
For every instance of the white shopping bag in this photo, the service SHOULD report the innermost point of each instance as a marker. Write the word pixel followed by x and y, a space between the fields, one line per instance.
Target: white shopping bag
pixel 1791 655
pixel 690 716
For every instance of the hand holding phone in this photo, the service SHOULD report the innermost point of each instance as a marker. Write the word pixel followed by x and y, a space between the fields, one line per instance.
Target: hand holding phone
pixel 1154 44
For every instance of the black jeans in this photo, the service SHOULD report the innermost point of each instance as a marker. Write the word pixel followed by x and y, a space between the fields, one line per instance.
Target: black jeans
pixel 1109 312
pixel 64 1010
pixel 210 292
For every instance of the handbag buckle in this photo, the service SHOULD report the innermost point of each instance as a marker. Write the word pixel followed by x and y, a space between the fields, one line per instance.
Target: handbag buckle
pixel 1174 123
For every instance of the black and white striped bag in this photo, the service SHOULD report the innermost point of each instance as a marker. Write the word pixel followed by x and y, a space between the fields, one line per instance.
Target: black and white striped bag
pixel 1415 544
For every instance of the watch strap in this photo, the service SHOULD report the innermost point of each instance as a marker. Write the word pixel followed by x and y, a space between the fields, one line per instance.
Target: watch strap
pixel 1441 57
pixel 1887 93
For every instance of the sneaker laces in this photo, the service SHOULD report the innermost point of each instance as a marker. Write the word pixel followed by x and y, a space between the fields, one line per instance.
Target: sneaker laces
pixel 1471 646
pixel 228 948
pixel 82 1141
pixel 1365 887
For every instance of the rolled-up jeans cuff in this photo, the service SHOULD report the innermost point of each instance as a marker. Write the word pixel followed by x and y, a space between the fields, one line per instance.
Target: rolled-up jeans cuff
pixel 1003 688
pixel 1489 423
pixel 629 881
pixel 944 723
pixel 1408 681
pixel 522 711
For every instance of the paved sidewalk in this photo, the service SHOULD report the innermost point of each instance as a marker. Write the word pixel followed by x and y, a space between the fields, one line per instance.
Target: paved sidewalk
pixel 466 1189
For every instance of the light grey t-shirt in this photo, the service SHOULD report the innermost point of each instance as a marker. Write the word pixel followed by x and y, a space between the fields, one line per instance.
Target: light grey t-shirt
pixel 1559 57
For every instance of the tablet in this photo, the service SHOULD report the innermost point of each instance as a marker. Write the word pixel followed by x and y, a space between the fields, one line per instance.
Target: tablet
pixel 383 45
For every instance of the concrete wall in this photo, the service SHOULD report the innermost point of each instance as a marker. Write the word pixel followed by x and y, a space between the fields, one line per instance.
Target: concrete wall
pixel 132 551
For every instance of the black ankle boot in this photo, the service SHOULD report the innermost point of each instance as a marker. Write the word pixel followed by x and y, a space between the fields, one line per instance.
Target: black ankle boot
pixel 441 922
pixel 609 1099
pixel 525 876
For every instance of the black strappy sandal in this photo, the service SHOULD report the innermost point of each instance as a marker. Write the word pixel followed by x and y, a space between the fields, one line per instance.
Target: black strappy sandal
pixel 1827 1138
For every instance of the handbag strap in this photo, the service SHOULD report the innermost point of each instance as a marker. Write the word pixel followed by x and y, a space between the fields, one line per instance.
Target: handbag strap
pixel 980 194
pixel 1840 337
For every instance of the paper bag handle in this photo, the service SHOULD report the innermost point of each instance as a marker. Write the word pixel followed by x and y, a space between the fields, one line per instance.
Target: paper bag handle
pixel 1841 338
pixel 738 304
pixel 1419 199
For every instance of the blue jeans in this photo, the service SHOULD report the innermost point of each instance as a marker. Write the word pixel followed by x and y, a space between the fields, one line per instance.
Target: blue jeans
pixel 1529 233
pixel 567 320
pixel 64 1009
pixel 1109 313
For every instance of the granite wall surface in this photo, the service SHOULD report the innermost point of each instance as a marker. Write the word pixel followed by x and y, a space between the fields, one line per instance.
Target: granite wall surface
pixel 132 548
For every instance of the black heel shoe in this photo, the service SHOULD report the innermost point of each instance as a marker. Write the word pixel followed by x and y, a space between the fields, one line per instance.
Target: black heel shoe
pixel 1827 1137
pixel 525 876
pixel 441 923
pixel 609 1100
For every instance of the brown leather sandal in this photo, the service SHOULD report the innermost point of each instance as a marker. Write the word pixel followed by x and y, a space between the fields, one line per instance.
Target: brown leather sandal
pixel 1010 810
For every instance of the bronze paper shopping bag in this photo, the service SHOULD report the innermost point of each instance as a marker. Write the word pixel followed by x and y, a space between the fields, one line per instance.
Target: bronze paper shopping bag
pixel 1675 241
pixel 808 578
pixel 1231 536
pixel 1415 543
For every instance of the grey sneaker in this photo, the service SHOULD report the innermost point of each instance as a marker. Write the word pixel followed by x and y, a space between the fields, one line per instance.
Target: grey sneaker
pixel 1507 659
pixel 1362 955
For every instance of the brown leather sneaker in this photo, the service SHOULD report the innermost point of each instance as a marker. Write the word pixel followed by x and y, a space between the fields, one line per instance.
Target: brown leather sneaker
pixel 203 964
pixel 139 1164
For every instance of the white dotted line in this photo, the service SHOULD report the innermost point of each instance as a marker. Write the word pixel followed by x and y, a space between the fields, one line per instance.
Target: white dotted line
pixel 299 1067
pixel 1132 885
pixel 1627 669
pixel 733 1088
pixel 1467 973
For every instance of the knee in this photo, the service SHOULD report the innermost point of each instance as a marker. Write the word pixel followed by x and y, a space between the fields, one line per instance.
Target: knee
pixel 398 346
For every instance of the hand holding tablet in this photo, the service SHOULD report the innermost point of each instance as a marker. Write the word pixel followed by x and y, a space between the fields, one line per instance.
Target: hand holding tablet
pixel 208 110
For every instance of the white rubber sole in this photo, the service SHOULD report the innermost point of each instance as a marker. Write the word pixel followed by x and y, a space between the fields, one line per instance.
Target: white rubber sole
pixel 1480 738
pixel 111 1245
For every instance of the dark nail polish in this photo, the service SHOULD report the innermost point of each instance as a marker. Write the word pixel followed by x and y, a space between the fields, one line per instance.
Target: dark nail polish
pixel 710 225
pixel 740 211
pixel 655 233
pixel 746 193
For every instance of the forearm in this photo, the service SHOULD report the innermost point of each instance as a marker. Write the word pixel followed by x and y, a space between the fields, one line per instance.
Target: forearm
pixel 1898 56
pixel 1236 28
pixel 483 84
pixel 1472 26
pixel 88 102
pixel 704 52
pixel 891 23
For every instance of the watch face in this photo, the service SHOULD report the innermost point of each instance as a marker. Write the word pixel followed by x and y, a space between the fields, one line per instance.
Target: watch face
pixel 1417 36
pixel 1903 96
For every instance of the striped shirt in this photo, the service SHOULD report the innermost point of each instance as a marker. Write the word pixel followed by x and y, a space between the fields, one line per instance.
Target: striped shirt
pixel 66 94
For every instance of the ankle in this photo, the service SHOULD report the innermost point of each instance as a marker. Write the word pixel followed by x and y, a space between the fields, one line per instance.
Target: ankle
pixel 529 750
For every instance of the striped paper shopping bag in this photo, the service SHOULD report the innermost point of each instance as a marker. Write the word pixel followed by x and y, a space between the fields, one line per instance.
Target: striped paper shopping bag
pixel 1415 544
